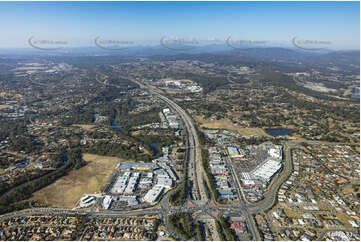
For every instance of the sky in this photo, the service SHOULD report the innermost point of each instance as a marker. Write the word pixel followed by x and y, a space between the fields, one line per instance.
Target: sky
pixel 79 23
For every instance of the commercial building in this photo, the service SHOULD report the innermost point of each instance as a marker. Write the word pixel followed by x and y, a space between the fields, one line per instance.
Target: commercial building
pixel 166 167
pixel 172 118
pixel 215 159
pixel 213 150
pixel 152 195
pixel 174 124
pixel 132 184
pixel 171 173
pixel 136 166
pixel 87 200
pixel 275 152
pixel 131 200
pixel 145 182
pixel 120 184
pixel 226 194
pixel 268 169
pixel 265 171
pixel 166 111
pixel 234 153
pixel 219 170
pixel 161 173
pixel 250 181
pixel 106 201
pixel 164 182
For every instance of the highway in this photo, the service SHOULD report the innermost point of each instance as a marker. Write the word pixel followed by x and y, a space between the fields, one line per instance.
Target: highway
pixel 196 160
pixel 196 173
pixel 195 167
pixel 195 157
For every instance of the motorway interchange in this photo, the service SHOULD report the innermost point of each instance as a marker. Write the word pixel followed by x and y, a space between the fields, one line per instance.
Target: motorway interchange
pixel 196 204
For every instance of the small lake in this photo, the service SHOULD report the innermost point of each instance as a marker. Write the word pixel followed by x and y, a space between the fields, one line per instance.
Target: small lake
pixel 114 122
pixel 65 157
pixel 355 92
pixel 155 147
pixel 279 132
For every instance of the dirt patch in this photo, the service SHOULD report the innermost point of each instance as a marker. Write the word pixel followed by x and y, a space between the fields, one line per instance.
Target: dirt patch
pixel 89 179
pixel 4 106
pixel 135 133
pixel 344 218
pixel 292 214
pixel 85 126
pixel 348 91
pixel 350 189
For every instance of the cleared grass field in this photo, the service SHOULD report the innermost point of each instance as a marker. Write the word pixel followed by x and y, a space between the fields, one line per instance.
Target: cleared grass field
pixel 91 178
pixel 85 126
pixel 344 218
pixel 225 124
pixel 4 106
pixel 292 214
pixel 350 189
pixel 135 133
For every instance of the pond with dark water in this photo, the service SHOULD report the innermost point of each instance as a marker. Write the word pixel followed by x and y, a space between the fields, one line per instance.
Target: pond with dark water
pixel 279 132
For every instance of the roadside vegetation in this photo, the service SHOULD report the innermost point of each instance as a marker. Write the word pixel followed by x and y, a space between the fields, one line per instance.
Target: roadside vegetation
pixel 199 231
pixel 219 231
pixel 210 177
pixel 156 223
pixel 179 197
pixel 227 229
pixel 181 223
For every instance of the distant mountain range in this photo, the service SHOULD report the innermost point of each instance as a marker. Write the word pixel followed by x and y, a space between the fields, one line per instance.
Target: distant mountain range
pixel 348 60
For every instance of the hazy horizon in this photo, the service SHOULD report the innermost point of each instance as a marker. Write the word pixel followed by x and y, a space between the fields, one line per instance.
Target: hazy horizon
pixel 145 23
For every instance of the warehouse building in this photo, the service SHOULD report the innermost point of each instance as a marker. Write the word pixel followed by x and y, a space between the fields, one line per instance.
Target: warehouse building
pixel 131 200
pixel 132 184
pixel 249 180
pixel 234 153
pixel 136 166
pixel 145 182
pixel 166 111
pixel 107 201
pixel 120 184
pixel 213 150
pixel 215 159
pixel 161 173
pixel 266 170
pixel 152 195
pixel 169 170
pixel 219 170
pixel 87 200
pixel 275 152
pixel 167 183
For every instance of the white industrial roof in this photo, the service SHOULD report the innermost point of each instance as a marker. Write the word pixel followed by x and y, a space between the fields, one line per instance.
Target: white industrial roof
pixel 266 170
